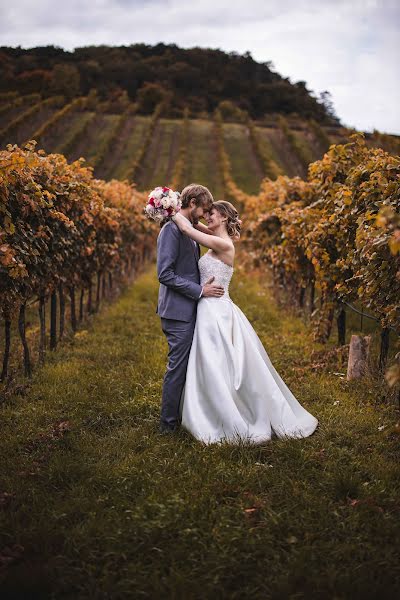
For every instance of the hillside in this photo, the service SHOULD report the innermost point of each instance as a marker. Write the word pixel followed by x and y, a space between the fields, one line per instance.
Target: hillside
pixel 198 78
pixel 146 149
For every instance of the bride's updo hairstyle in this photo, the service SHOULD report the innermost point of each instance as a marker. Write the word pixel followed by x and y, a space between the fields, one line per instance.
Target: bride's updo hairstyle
pixel 233 223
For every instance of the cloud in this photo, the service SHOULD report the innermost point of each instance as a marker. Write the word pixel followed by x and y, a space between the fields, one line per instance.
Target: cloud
pixel 347 48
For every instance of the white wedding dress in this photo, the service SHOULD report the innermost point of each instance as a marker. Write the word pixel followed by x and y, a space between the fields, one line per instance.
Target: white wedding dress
pixel 232 391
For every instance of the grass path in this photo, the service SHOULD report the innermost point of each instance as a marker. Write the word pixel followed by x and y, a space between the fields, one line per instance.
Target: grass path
pixel 95 504
pixel 202 157
pixel 246 170
pixel 161 154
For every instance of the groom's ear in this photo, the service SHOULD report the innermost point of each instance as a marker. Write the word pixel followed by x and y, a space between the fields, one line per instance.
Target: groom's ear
pixel 192 203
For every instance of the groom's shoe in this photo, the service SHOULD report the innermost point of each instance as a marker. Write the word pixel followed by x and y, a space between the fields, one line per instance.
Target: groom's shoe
pixel 166 429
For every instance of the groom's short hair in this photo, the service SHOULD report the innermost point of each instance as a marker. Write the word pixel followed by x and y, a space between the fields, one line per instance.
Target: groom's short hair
pixel 200 193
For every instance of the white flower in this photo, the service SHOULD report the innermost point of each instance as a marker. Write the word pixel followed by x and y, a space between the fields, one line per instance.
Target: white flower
pixel 175 200
pixel 157 193
pixel 149 210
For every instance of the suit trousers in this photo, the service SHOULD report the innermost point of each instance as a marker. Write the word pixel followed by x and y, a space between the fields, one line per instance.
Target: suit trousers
pixel 179 336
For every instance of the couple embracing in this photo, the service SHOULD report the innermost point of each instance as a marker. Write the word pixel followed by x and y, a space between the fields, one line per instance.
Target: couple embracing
pixel 220 384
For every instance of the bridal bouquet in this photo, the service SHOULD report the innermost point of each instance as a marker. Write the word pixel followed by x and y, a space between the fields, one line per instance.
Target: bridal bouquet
pixel 162 203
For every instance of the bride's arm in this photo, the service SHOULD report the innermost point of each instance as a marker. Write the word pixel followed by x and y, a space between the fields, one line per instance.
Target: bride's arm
pixel 203 228
pixel 209 241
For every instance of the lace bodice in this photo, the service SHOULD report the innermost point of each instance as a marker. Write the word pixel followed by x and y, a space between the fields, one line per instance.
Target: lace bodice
pixel 210 266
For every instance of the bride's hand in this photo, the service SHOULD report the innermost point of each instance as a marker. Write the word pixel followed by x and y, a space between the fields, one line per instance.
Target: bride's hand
pixel 180 221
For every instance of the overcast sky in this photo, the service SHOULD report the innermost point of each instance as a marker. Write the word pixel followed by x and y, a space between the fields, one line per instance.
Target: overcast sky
pixel 348 47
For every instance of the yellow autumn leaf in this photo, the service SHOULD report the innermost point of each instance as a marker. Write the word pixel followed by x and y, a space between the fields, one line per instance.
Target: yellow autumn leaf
pixel 394 243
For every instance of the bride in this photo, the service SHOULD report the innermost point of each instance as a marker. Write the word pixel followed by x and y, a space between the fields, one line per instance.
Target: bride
pixel 232 390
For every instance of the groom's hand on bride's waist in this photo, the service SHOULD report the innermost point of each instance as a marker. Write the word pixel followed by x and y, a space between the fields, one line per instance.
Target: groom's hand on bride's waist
pixel 212 290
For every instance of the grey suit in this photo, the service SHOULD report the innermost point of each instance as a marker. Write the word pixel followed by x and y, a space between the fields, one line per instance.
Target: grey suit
pixel 180 289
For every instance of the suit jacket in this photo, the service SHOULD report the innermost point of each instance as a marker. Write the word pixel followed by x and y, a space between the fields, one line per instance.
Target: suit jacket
pixel 178 274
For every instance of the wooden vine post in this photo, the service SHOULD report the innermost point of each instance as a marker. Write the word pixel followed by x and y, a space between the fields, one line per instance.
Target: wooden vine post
pixel 358 356
pixel 312 297
pixel 7 345
pixel 53 320
pixel 62 309
pixel 72 308
pixel 98 287
pixel 81 298
pixel 384 348
pixel 42 322
pixel 22 333
pixel 89 304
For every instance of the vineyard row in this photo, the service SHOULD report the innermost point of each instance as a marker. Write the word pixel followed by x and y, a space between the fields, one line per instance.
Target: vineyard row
pixel 59 229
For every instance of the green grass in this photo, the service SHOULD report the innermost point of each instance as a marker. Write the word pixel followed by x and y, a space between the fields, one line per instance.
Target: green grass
pixel 202 162
pixel 162 154
pixel 307 149
pixel 101 136
pixel 281 150
pixel 77 123
pixel 123 170
pixel 246 171
pixel 105 507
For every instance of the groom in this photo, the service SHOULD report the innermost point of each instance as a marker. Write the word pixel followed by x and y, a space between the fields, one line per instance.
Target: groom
pixel 180 290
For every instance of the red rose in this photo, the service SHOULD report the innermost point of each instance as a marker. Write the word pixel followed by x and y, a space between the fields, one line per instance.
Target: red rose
pixel 165 189
pixel 151 201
